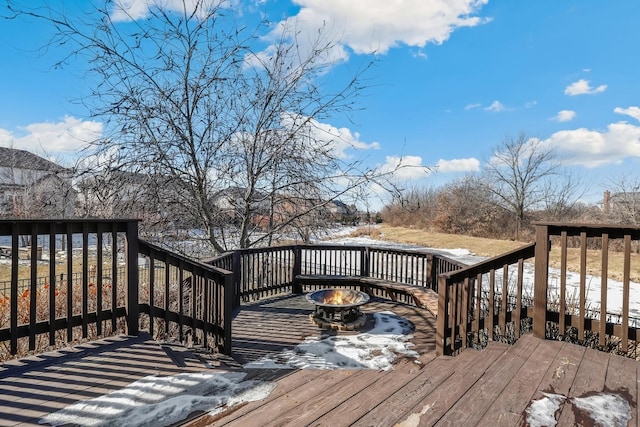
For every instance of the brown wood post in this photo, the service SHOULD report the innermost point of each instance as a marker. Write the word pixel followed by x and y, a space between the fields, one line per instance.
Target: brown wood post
pixel 432 279
pixel 133 308
pixel 541 280
pixel 297 269
pixel 229 300
pixel 236 261
pixel 443 316
pixel 364 262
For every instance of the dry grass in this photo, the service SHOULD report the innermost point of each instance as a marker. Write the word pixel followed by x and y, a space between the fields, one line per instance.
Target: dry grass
pixel 477 245
pixel 494 247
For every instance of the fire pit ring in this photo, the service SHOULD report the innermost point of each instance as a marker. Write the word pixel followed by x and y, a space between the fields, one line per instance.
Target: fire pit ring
pixel 338 308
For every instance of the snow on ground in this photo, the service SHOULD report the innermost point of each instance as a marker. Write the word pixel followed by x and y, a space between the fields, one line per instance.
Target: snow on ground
pixel 161 401
pixel 541 412
pixel 604 409
pixel 375 349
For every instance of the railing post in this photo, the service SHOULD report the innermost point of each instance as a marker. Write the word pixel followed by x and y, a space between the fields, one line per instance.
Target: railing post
pixel 297 269
pixel 230 296
pixel 432 277
pixel 541 281
pixel 236 260
pixel 443 316
pixel 133 278
pixel 364 262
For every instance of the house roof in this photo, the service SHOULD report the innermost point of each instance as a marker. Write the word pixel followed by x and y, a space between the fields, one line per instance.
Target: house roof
pixel 21 159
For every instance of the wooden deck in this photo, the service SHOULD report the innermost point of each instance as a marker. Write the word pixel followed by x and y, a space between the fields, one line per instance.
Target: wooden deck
pixel 489 387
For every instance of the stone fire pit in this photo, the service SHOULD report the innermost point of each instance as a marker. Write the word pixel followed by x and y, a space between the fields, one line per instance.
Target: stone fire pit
pixel 338 308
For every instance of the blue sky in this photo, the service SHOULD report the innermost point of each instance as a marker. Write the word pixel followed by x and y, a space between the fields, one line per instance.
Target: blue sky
pixel 453 78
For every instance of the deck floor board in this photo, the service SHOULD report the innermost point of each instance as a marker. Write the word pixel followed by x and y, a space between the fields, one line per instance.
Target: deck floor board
pixel 493 386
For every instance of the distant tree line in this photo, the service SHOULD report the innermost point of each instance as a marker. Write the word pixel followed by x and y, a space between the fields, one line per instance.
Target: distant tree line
pixel 523 181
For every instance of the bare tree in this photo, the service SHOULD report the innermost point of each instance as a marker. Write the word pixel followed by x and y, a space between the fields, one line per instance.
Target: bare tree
pixel 621 202
pixel 466 206
pixel 562 197
pixel 189 101
pixel 517 175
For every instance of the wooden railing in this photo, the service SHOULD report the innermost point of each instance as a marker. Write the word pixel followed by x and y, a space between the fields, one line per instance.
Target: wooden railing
pixel 122 284
pixel 76 289
pixel 474 300
pixel 58 311
pixel 488 301
pixel 186 299
pixel 603 325
pixel 261 272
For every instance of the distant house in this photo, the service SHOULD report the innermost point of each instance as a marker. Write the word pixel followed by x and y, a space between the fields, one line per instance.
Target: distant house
pixel 622 207
pixel 341 212
pixel 231 202
pixel 34 187
pixel 117 193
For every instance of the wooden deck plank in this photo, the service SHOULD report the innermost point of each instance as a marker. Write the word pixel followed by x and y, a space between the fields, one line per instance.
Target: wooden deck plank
pixel 365 398
pixel 590 377
pixel 560 375
pixel 287 383
pixel 430 409
pixel 622 379
pixel 484 393
pixel 34 387
pixel 391 410
pixel 510 404
pixel 305 397
pixel 499 381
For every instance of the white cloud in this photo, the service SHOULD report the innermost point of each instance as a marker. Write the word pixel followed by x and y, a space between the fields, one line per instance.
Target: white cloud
pixel 339 139
pixel 582 87
pixel 496 106
pixel 631 111
pixel 565 116
pixel 405 168
pixel 67 136
pixel 593 148
pixel 375 26
pixel 458 165
pixel 530 104
pixel 472 106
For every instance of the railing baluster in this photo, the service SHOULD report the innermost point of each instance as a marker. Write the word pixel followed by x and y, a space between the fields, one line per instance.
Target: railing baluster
pixel 517 311
pixel 33 289
pixel 563 283
pixel 626 278
pixel 98 272
pixel 114 278
pixel 492 301
pixel 478 307
pixel 583 286
pixel 602 332
pixel 464 318
pixel 181 300
pixel 52 284
pixel 152 290
pixel 85 280
pixel 167 287
pixel 69 283
pixel 13 321
pixel 505 296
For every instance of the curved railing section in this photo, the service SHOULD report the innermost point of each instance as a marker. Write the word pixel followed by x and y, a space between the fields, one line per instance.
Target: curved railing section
pixel 479 302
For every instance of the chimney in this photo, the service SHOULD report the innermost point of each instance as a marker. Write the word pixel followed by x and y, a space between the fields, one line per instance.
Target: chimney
pixel 606 201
